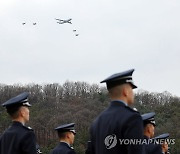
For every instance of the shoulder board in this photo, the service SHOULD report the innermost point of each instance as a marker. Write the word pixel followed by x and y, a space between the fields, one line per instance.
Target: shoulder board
pixel 29 128
pixel 72 147
pixel 131 109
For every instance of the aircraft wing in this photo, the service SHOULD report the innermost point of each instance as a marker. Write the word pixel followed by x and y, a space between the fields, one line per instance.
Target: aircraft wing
pixel 60 19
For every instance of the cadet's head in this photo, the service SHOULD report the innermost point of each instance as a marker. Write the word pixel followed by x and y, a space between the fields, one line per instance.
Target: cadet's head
pixel 17 107
pixel 121 85
pixel 149 124
pixel 66 132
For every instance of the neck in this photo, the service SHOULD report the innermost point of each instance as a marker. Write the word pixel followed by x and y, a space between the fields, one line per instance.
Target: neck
pixel 65 140
pixel 123 99
pixel 19 120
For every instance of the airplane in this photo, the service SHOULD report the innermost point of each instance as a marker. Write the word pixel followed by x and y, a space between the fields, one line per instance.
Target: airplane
pixel 23 23
pixel 77 34
pixel 74 30
pixel 34 23
pixel 60 21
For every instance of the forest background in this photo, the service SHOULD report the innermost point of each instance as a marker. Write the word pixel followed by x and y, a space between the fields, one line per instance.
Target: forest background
pixel 81 102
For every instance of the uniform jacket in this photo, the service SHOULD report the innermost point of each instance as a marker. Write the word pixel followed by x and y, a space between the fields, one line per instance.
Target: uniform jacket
pixel 152 148
pixel 118 121
pixel 18 139
pixel 63 148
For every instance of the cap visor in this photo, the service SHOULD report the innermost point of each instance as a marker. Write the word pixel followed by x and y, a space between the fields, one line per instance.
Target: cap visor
pixel 133 86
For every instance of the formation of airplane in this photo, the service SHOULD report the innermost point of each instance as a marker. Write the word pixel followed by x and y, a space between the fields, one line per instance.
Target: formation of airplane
pixel 60 21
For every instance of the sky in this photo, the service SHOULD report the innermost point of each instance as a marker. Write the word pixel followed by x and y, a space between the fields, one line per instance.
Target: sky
pixel 114 36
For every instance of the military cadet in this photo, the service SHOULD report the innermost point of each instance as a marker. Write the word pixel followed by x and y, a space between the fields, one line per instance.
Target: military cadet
pixel 149 126
pixel 18 139
pixel 118 121
pixel 151 147
pixel 161 139
pixel 66 134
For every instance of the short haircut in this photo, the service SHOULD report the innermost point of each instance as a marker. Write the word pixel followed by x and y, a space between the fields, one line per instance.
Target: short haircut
pixel 62 135
pixel 13 111
pixel 117 90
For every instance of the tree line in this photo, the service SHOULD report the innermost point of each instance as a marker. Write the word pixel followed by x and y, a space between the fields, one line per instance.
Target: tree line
pixel 81 102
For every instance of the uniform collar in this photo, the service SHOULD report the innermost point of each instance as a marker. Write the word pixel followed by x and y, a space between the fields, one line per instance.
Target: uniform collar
pixel 65 143
pixel 17 123
pixel 119 101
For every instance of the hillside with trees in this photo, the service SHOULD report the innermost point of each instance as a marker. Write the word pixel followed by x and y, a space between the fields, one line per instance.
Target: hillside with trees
pixel 80 102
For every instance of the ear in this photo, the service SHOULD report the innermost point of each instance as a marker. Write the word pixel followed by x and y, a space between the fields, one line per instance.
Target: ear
pixel 147 128
pixel 125 91
pixel 21 112
pixel 68 135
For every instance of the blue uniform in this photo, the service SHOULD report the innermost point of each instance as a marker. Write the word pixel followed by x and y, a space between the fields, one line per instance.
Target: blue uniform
pixel 18 139
pixel 152 148
pixel 63 148
pixel 118 121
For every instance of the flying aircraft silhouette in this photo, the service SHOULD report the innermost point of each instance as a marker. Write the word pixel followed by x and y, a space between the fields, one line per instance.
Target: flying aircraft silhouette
pixel 60 21
pixel 23 23
pixel 34 23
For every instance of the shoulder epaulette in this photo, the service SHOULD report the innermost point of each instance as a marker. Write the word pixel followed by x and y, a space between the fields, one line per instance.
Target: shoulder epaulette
pixel 131 109
pixel 29 128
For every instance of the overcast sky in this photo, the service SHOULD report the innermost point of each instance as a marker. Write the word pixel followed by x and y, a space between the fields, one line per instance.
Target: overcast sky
pixel 114 36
